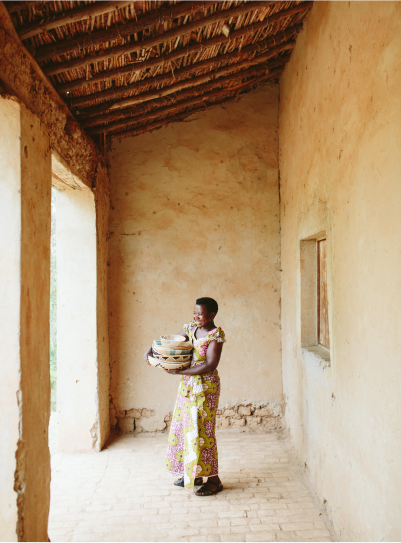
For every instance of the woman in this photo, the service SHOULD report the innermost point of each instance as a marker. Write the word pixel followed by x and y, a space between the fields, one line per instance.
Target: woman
pixel 192 448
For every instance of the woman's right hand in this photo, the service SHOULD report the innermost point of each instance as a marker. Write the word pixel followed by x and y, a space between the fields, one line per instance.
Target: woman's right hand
pixel 148 353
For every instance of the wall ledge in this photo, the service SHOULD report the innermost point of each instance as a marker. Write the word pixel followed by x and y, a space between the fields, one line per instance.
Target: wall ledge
pixel 316 361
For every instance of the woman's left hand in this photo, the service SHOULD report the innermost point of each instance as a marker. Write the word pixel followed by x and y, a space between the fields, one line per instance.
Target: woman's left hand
pixel 178 372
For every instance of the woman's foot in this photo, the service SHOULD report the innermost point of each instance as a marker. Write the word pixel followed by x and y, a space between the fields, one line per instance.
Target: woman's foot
pixel 211 487
pixel 180 481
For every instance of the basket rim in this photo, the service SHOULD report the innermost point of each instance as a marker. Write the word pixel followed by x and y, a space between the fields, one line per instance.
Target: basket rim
pixel 176 344
pixel 167 350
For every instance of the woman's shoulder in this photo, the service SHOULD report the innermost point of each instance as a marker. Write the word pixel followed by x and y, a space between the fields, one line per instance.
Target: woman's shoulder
pixel 218 335
pixel 190 326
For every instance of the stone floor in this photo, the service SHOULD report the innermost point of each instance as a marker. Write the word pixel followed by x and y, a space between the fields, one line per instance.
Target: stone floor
pixel 123 494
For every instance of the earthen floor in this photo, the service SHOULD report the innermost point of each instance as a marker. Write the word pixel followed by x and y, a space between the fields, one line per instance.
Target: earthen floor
pixel 123 494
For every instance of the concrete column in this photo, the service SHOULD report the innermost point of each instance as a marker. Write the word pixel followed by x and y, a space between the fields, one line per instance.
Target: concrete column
pixel 24 323
pixel 77 371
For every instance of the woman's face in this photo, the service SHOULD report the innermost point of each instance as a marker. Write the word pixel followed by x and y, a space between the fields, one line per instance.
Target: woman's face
pixel 202 317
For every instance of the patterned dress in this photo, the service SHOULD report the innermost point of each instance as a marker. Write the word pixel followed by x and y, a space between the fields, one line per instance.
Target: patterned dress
pixel 192 447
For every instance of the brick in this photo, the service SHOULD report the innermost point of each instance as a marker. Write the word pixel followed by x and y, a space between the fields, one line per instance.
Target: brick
pixel 261 536
pixel 317 532
pixel 264 527
pixel 297 526
pixel 143 505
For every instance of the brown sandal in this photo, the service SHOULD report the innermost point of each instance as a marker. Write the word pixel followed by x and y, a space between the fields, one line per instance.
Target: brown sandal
pixel 205 489
pixel 180 482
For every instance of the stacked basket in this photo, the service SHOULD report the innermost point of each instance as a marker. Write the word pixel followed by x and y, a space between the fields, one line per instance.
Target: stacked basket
pixel 171 353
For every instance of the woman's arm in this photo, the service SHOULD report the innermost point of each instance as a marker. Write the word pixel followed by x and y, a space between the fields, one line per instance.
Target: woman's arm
pixel 149 351
pixel 213 355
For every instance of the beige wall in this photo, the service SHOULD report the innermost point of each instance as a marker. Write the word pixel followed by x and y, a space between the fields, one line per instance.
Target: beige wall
pixel 25 304
pixel 195 212
pixel 102 205
pixel 77 382
pixel 340 164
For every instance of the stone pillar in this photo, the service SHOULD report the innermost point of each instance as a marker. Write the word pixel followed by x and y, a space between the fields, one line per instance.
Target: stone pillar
pixel 25 216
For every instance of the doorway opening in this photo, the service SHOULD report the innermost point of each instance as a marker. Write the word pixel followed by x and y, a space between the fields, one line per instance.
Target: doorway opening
pixel 53 327
pixel 73 337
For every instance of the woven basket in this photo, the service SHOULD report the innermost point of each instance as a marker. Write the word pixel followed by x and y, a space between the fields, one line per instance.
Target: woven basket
pixel 175 343
pixel 172 337
pixel 168 365
pixel 176 358
pixel 166 351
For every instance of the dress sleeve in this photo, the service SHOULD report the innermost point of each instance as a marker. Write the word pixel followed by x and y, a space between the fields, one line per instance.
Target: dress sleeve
pixel 188 327
pixel 218 335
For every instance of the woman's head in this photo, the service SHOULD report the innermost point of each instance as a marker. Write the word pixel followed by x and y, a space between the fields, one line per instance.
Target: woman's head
pixel 205 311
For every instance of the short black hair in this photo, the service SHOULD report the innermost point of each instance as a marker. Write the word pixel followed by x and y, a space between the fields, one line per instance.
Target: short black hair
pixel 211 305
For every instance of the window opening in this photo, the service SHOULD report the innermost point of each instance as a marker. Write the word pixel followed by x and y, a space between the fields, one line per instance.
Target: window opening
pixel 322 299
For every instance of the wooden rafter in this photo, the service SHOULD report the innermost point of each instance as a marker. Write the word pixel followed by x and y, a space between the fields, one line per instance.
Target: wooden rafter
pixel 126 71
pixel 181 116
pixel 118 32
pixel 133 47
pixel 135 118
pixel 192 49
pixel 13 7
pixel 183 73
pixel 115 33
pixel 73 16
pixel 193 82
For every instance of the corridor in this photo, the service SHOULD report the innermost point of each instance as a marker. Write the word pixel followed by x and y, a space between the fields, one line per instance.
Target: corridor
pixel 123 494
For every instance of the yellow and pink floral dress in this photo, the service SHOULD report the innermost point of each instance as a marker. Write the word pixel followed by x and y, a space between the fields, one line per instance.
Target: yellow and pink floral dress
pixel 192 447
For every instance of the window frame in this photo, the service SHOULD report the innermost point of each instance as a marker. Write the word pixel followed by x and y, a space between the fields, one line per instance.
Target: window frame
pixel 309 304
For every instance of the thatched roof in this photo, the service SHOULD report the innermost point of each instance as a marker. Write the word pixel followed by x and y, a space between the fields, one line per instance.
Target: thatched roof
pixel 125 68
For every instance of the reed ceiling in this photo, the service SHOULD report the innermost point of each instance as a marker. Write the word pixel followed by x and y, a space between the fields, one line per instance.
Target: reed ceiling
pixel 125 68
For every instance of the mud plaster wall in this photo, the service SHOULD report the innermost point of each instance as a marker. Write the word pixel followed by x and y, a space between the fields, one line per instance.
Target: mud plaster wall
pixel 25 385
pixel 100 189
pixel 340 163
pixel 195 212
pixel 21 76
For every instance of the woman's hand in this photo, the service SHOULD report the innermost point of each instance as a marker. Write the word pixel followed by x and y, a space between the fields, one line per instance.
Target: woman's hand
pixel 175 372
pixel 148 353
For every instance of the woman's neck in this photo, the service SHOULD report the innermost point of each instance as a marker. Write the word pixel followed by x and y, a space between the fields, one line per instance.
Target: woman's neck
pixel 208 327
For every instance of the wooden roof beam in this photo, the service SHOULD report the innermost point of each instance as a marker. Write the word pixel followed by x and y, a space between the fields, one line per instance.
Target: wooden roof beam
pixel 44 52
pixel 122 30
pixel 181 116
pixel 138 118
pixel 169 78
pixel 13 7
pixel 170 89
pixel 147 106
pixel 285 35
pixel 72 16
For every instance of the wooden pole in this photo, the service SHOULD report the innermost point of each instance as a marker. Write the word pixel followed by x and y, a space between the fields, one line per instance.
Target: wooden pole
pixel 13 7
pixel 133 47
pixel 73 16
pixel 123 30
pixel 169 78
pixel 197 86
pixel 136 118
pixel 181 85
pixel 155 18
pixel 286 35
pixel 181 116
